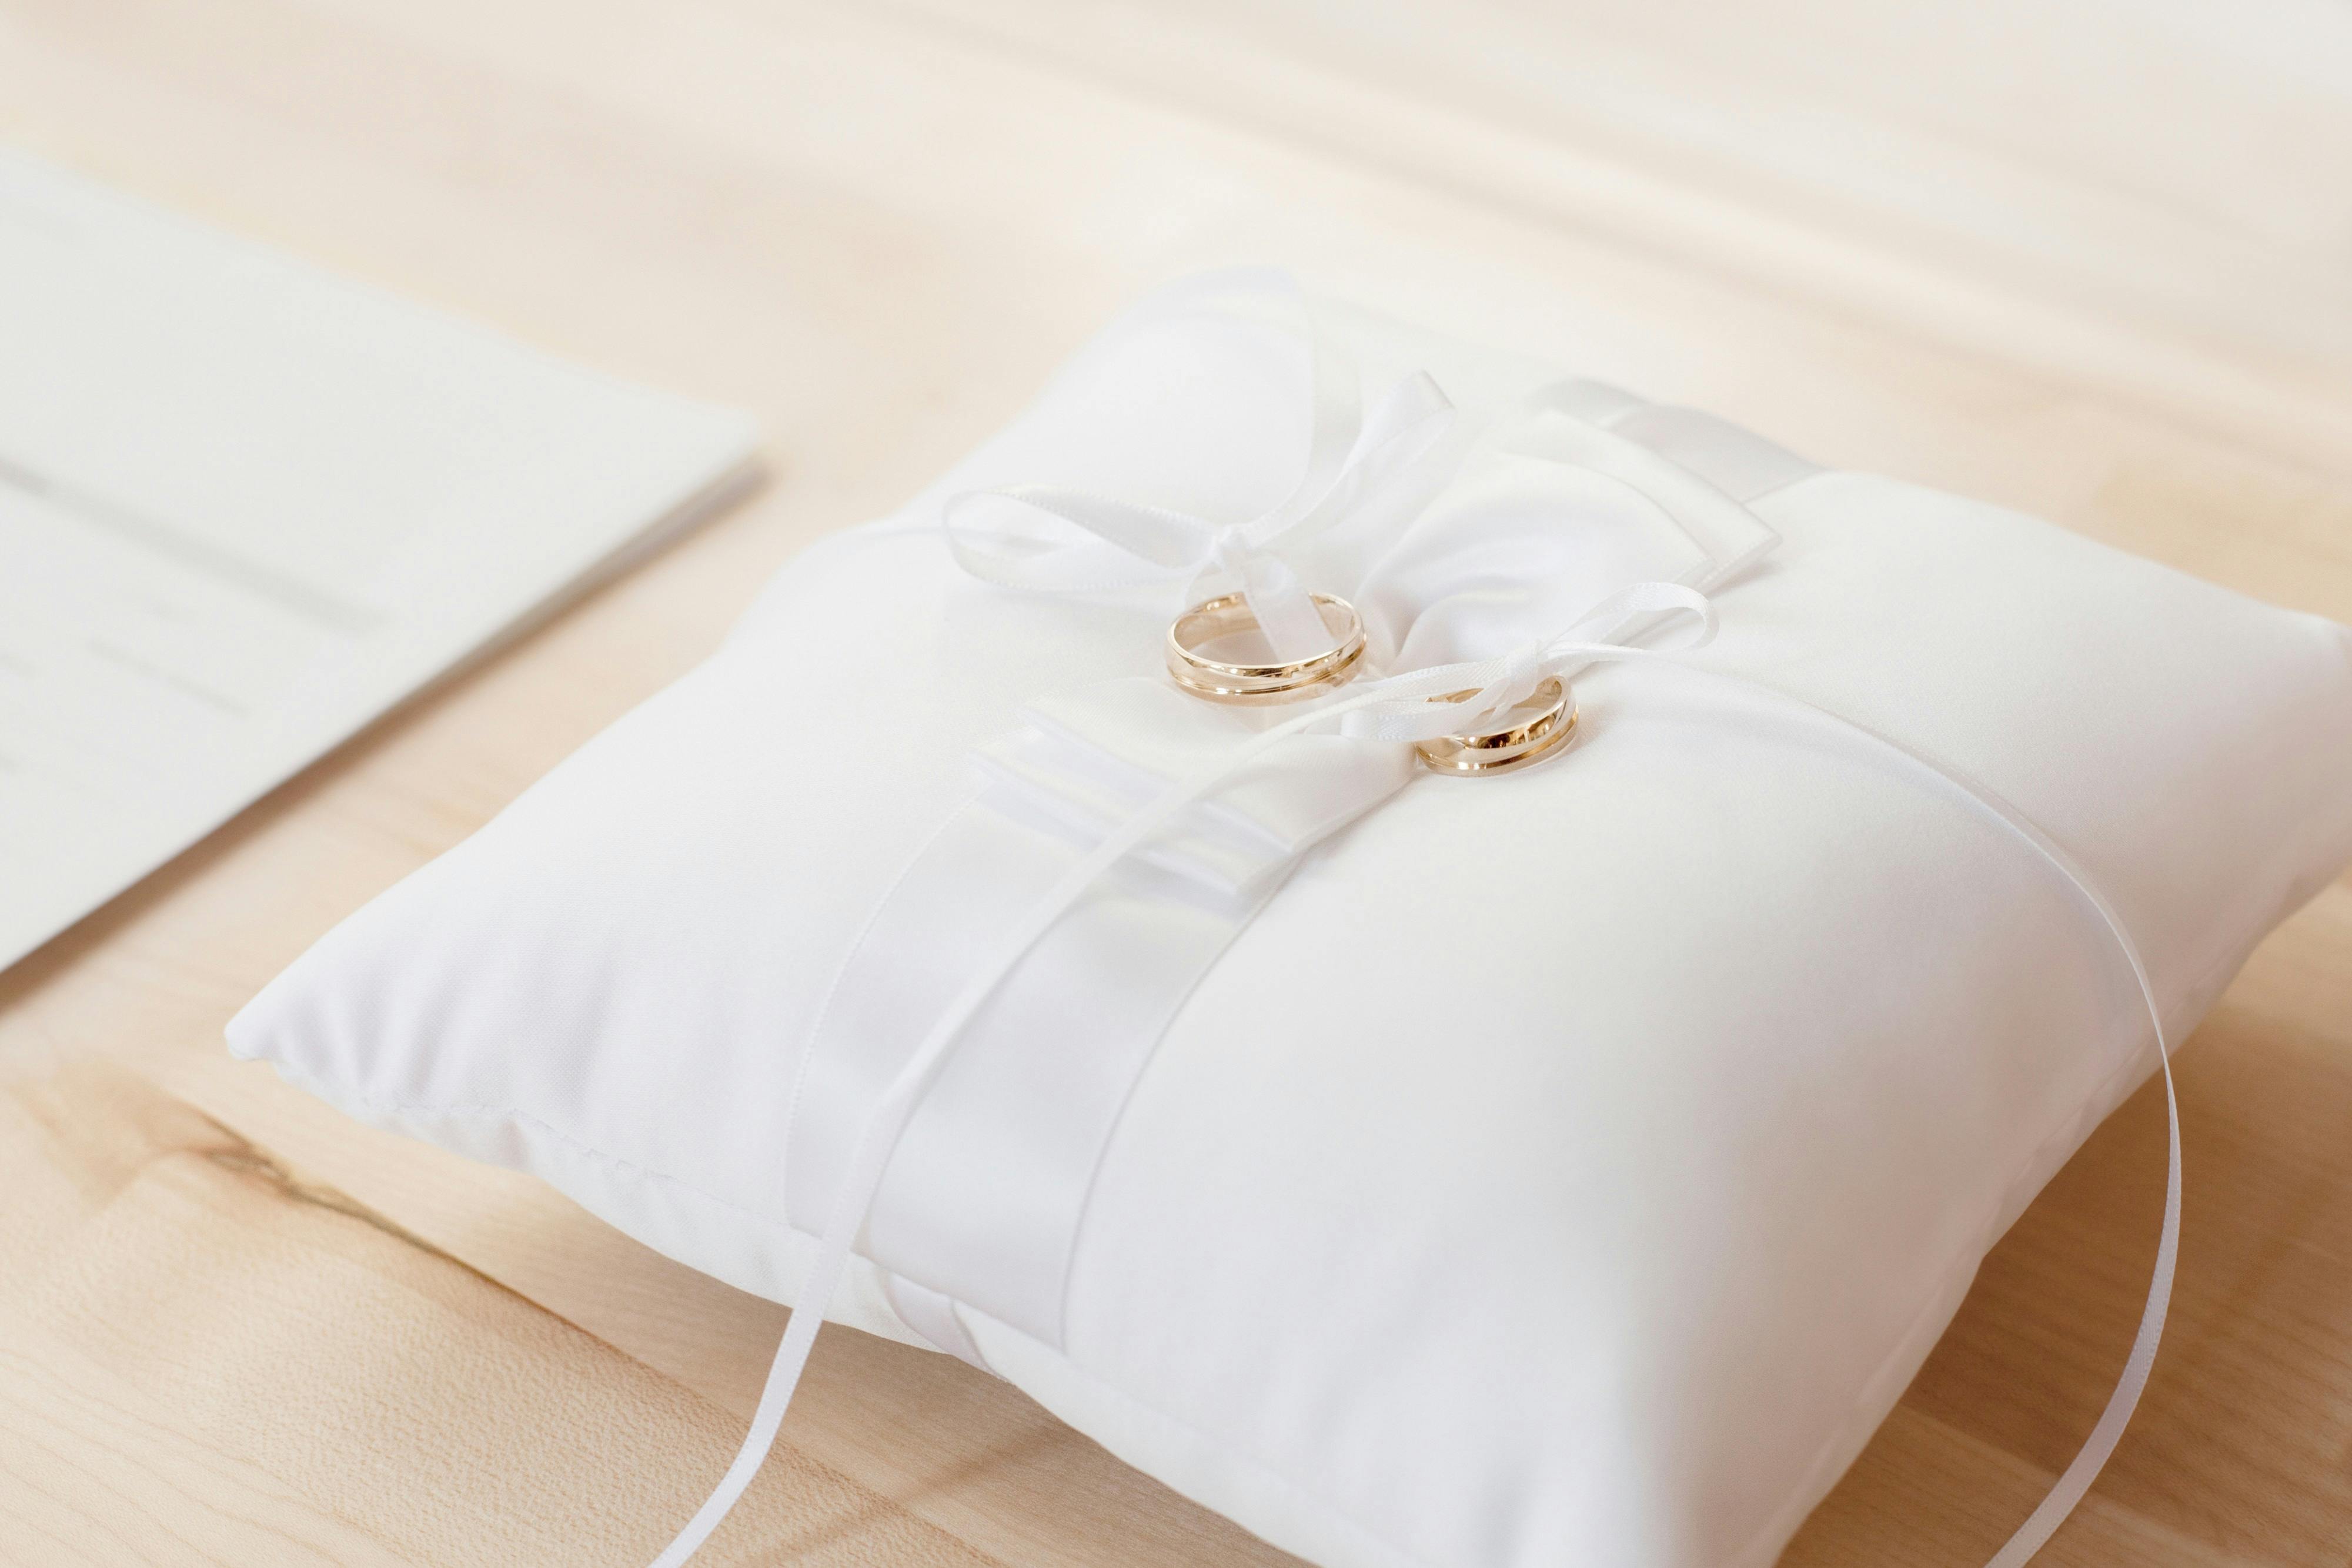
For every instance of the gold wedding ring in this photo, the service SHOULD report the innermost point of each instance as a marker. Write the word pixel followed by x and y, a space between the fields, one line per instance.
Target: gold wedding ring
pixel 1253 684
pixel 1536 728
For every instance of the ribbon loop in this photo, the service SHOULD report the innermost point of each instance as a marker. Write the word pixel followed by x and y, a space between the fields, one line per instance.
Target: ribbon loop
pixel 1368 475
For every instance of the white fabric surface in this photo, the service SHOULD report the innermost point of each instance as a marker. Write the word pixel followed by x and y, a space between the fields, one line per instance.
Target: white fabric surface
pixel 1568 1168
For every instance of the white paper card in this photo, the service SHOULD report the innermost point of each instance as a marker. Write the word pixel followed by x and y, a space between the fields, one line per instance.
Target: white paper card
pixel 246 506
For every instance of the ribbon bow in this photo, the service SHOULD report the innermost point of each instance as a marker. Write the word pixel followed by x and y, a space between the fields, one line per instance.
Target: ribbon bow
pixel 1367 476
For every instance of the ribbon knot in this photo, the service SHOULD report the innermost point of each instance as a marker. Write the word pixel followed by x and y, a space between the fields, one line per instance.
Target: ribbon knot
pixel 1231 551
pixel 1458 699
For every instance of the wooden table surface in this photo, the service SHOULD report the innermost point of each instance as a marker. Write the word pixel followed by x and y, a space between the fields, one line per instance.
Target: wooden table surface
pixel 2089 258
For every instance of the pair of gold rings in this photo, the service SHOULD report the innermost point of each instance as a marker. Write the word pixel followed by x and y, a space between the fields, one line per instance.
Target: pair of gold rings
pixel 1532 730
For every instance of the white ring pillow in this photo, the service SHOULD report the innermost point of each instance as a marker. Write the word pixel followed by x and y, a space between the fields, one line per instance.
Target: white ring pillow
pixel 1568 1168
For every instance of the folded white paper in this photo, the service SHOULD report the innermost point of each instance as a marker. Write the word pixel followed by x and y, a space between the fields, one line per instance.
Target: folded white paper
pixel 246 506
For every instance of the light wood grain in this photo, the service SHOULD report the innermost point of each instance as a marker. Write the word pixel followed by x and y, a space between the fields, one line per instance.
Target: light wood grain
pixel 2078 255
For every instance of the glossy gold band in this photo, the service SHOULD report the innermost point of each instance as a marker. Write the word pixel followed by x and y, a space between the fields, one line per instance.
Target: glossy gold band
pixel 1254 685
pixel 1538 726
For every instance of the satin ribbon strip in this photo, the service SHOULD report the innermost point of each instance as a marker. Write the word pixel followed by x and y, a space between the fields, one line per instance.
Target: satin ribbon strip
pixel 1086 757
pixel 1399 709
pixel 966 1211
pixel 1735 460
pixel 1367 474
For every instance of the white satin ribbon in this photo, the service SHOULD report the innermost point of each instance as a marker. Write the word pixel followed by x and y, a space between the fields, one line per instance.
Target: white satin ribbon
pixel 1400 708
pixel 1366 475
